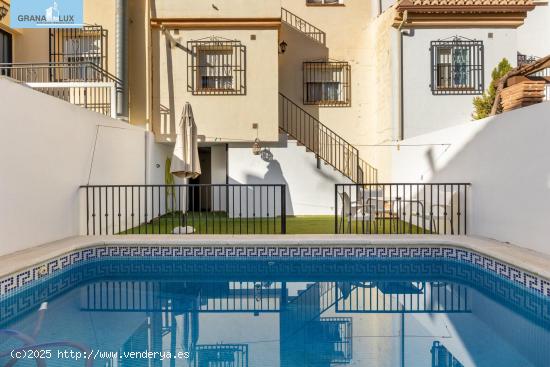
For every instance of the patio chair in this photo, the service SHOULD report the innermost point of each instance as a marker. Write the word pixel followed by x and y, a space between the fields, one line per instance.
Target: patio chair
pixel 435 210
pixel 351 209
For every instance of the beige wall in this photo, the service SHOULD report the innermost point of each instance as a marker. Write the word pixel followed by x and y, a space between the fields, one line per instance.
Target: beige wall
pixel 102 12
pixel 139 62
pixel 220 118
pixel 352 36
pixel 222 9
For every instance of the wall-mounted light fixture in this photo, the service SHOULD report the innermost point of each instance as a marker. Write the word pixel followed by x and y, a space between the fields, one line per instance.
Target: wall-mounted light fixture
pixel 282 47
pixel 3 11
pixel 256 147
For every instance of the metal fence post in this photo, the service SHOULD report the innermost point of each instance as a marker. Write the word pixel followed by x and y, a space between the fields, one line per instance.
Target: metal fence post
pixel 283 209
pixel 335 208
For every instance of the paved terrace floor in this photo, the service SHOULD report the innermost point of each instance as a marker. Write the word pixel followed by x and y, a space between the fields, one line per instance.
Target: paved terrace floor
pixel 528 260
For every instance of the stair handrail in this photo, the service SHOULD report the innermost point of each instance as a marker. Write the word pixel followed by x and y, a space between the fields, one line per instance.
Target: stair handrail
pixel 359 172
pixel 303 26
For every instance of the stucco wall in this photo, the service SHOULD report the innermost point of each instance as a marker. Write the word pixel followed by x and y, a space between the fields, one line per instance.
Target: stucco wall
pixel 217 9
pixel 425 112
pixel 218 117
pixel 52 148
pixel 352 35
pixel 534 35
pixel 505 159
pixel 310 190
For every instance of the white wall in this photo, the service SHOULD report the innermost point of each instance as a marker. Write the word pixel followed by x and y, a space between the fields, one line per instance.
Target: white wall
pixel 425 112
pixel 310 191
pixel 506 160
pixel 49 148
pixel 534 34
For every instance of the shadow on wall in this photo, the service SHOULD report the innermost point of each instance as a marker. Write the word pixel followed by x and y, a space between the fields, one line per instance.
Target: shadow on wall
pixel 506 159
pixel 300 48
pixel 274 175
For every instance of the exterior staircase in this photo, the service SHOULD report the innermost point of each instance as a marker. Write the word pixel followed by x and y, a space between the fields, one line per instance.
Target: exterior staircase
pixel 301 25
pixel 327 145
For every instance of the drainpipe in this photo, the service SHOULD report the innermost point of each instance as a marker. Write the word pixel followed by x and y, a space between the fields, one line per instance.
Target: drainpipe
pixel 401 116
pixel 121 55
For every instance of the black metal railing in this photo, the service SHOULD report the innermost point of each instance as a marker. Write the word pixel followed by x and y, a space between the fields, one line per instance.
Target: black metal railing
pixel 402 297
pixel 154 296
pixel 324 142
pixel 303 26
pixel 401 208
pixel 84 84
pixel 185 209
pixel 523 59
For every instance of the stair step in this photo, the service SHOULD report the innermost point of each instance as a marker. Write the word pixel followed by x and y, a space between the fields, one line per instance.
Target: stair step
pixel 299 115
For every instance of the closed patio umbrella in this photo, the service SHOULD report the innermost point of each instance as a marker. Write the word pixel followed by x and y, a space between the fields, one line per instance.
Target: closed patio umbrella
pixel 185 159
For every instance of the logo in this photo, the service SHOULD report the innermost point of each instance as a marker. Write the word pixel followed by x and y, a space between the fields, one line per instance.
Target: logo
pixel 46 13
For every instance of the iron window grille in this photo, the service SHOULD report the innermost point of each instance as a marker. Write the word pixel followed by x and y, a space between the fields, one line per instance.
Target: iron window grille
pixel 457 66
pixel 327 83
pixel 221 355
pixel 216 66
pixel 79 47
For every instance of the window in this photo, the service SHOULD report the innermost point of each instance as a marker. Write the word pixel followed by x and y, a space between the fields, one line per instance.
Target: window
pixel 324 2
pixel 457 66
pixel 327 83
pixel 216 66
pixel 82 48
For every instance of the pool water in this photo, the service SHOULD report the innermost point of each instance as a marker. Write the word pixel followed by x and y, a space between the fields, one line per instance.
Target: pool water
pixel 291 313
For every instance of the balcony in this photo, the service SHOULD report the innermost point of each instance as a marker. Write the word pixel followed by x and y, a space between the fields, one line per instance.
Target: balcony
pixel 81 83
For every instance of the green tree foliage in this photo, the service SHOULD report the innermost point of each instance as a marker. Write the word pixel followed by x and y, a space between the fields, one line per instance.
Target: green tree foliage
pixel 484 103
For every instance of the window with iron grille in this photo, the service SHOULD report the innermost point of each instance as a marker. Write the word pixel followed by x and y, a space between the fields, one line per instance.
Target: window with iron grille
pixel 79 48
pixel 216 66
pixel 327 83
pixel 457 66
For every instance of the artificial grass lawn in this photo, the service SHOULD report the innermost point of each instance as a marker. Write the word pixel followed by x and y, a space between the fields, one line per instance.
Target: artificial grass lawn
pixel 219 223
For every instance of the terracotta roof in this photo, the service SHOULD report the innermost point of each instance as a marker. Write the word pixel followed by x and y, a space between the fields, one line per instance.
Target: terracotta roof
pixel 465 5
pixel 449 3
pixel 461 13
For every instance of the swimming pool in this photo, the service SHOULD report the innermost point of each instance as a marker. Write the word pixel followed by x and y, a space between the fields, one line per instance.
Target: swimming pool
pixel 275 311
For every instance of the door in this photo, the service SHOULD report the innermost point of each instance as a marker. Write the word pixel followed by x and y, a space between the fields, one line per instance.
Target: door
pixel 200 196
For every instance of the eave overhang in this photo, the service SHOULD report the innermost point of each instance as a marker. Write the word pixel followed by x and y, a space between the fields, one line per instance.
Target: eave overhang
pixel 452 16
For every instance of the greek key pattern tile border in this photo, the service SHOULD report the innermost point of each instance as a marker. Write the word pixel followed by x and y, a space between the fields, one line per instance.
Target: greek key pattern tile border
pixel 20 280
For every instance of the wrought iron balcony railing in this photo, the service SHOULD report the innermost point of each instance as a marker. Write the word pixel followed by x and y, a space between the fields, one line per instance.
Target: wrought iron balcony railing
pixel 81 83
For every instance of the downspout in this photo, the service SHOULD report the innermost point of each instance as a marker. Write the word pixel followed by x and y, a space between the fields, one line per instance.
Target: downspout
pixel 121 55
pixel 400 103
